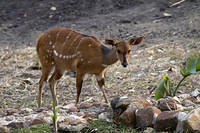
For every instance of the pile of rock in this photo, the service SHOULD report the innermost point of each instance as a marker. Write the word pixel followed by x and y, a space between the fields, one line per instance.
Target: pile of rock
pixel 70 117
pixel 167 114
pixel 139 114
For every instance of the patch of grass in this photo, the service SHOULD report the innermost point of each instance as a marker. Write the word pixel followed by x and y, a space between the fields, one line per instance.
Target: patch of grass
pixel 40 128
pixel 102 126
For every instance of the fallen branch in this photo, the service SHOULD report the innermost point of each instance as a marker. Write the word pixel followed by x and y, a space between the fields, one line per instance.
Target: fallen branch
pixel 177 3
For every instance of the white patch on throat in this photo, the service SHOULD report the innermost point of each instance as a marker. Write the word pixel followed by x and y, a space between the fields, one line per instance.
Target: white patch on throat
pixel 104 65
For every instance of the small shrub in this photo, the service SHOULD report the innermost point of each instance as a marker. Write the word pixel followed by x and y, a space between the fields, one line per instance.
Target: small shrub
pixel 166 88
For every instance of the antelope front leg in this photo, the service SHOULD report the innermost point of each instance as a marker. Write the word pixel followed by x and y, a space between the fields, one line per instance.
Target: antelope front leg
pixel 79 82
pixel 52 83
pixel 100 81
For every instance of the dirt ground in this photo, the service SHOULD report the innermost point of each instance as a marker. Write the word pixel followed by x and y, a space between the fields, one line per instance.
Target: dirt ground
pixel 172 33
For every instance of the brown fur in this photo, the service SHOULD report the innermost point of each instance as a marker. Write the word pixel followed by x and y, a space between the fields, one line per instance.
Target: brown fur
pixel 64 49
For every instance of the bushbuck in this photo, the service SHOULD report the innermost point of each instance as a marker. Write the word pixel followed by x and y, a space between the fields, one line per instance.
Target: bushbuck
pixel 64 49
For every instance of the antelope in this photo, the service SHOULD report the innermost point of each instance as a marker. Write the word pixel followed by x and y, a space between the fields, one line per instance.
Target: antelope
pixel 64 49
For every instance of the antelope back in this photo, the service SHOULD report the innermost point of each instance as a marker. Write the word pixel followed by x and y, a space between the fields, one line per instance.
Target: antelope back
pixel 68 48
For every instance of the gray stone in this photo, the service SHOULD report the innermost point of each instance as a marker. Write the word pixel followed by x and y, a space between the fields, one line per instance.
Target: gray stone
pixel 188 103
pixel 16 124
pixel 37 121
pixel 105 116
pixel 26 110
pixel 195 93
pixel 166 104
pixel 65 127
pixel 181 117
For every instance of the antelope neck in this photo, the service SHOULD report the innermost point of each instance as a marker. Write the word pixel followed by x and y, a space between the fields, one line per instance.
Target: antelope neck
pixel 109 55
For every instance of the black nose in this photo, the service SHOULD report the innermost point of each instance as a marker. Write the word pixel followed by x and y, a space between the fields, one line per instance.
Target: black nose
pixel 124 64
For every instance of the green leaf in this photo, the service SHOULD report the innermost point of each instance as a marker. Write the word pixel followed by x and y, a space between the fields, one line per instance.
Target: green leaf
pixel 191 65
pixel 159 92
pixel 198 65
pixel 169 87
pixel 184 73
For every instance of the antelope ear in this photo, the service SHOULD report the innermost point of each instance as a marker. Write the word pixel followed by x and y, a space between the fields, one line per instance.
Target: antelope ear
pixel 111 42
pixel 136 41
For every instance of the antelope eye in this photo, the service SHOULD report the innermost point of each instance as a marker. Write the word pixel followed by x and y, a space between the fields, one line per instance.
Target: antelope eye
pixel 118 51
pixel 129 51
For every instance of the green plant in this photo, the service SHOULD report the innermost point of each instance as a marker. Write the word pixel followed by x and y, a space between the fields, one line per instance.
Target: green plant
pixel 166 88
pixel 54 118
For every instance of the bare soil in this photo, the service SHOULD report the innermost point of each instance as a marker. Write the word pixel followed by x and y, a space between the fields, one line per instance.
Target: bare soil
pixel 172 33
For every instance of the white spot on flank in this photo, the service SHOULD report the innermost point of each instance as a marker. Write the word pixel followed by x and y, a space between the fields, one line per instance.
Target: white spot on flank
pixel 90 45
pixel 52 63
pixel 69 34
pixel 55 52
pixel 74 40
pixel 50 42
pixel 81 59
pixel 58 33
pixel 53 46
pixel 60 56
pixel 79 43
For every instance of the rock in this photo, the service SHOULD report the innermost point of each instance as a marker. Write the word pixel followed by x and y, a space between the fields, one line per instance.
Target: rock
pixel 70 108
pixel 25 110
pixel 90 115
pixel 146 117
pixel 75 120
pixel 181 117
pixel 120 104
pixel 105 116
pixel 42 109
pixel 191 122
pixel 73 109
pixel 166 121
pixel 11 111
pixel 81 114
pixel 188 103
pixel 4 129
pixel 195 93
pixel 166 104
pixel 9 118
pixel 16 124
pixel 184 96
pixel 37 121
pixel 128 117
pixel 65 128
pixel 149 130
pixel 85 105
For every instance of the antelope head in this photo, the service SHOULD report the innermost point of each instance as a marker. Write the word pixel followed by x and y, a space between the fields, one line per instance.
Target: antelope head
pixel 123 48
